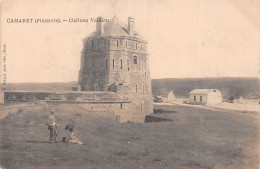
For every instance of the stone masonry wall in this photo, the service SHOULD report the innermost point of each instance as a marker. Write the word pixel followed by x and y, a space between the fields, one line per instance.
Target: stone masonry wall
pixel 108 60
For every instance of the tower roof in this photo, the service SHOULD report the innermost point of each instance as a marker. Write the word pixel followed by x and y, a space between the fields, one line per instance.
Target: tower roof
pixel 115 28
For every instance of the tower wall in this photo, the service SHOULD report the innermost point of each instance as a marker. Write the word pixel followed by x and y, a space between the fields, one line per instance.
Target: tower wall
pixel 124 62
pixel 94 71
pixel 135 73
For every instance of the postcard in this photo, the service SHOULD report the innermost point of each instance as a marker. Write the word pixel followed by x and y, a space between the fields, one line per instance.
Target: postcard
pixel 131 84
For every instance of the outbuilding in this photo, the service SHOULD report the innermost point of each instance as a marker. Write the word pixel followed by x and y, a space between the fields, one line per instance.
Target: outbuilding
pixel 171 97
pixel 158 99
pixel 205 96
pixel 75 87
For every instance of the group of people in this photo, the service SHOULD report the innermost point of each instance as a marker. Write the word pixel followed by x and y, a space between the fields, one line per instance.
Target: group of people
pixel 52 126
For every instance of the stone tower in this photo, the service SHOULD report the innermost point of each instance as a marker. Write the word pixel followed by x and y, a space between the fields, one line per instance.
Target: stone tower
pixel 115 59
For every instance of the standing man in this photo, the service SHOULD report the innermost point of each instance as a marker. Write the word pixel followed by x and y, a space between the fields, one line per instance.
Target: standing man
pixel 52 127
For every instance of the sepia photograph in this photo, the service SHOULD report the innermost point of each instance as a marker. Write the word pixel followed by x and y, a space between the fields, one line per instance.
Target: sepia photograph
pixel 130 84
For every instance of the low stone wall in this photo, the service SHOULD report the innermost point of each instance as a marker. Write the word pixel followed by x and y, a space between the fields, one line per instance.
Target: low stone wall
pixel 118 111
pixel 71 96
pixel 120 107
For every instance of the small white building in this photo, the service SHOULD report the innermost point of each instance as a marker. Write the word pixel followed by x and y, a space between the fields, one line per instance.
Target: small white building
pixel 241 100
pixel 171 97
pixel 205 96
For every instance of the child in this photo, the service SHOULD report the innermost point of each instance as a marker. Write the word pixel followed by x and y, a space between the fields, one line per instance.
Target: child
pixel 72 136
pixel 73 139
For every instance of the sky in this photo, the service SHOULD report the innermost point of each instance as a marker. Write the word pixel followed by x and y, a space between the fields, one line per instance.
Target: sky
pixel 186 38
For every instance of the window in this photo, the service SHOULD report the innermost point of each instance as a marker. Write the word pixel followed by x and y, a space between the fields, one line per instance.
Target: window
pixel 121 105
pixel 96 87
pixel 136 46
pixel 201 98
pixel 117 43
pixel 135 59
pixel 113 63
pixel 214 90
pixel 117 118
pixel 128 65
pixel 121 64
pixel 106 63
pixel 136 88
pixel 194 98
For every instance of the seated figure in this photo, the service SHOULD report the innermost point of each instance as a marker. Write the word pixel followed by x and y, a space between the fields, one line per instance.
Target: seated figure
pixel 73 139
pixel 72 136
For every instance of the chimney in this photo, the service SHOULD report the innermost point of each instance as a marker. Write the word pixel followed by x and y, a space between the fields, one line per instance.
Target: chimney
pixel 99 25
pixel 131 23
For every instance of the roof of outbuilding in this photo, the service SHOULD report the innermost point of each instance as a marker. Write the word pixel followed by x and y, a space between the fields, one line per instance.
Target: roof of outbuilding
pixel 203 91
pixel 76 85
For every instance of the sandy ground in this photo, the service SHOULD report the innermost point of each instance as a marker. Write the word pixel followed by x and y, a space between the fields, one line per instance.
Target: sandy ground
pixel 195 138
pixel 238 106
pixel 248 105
